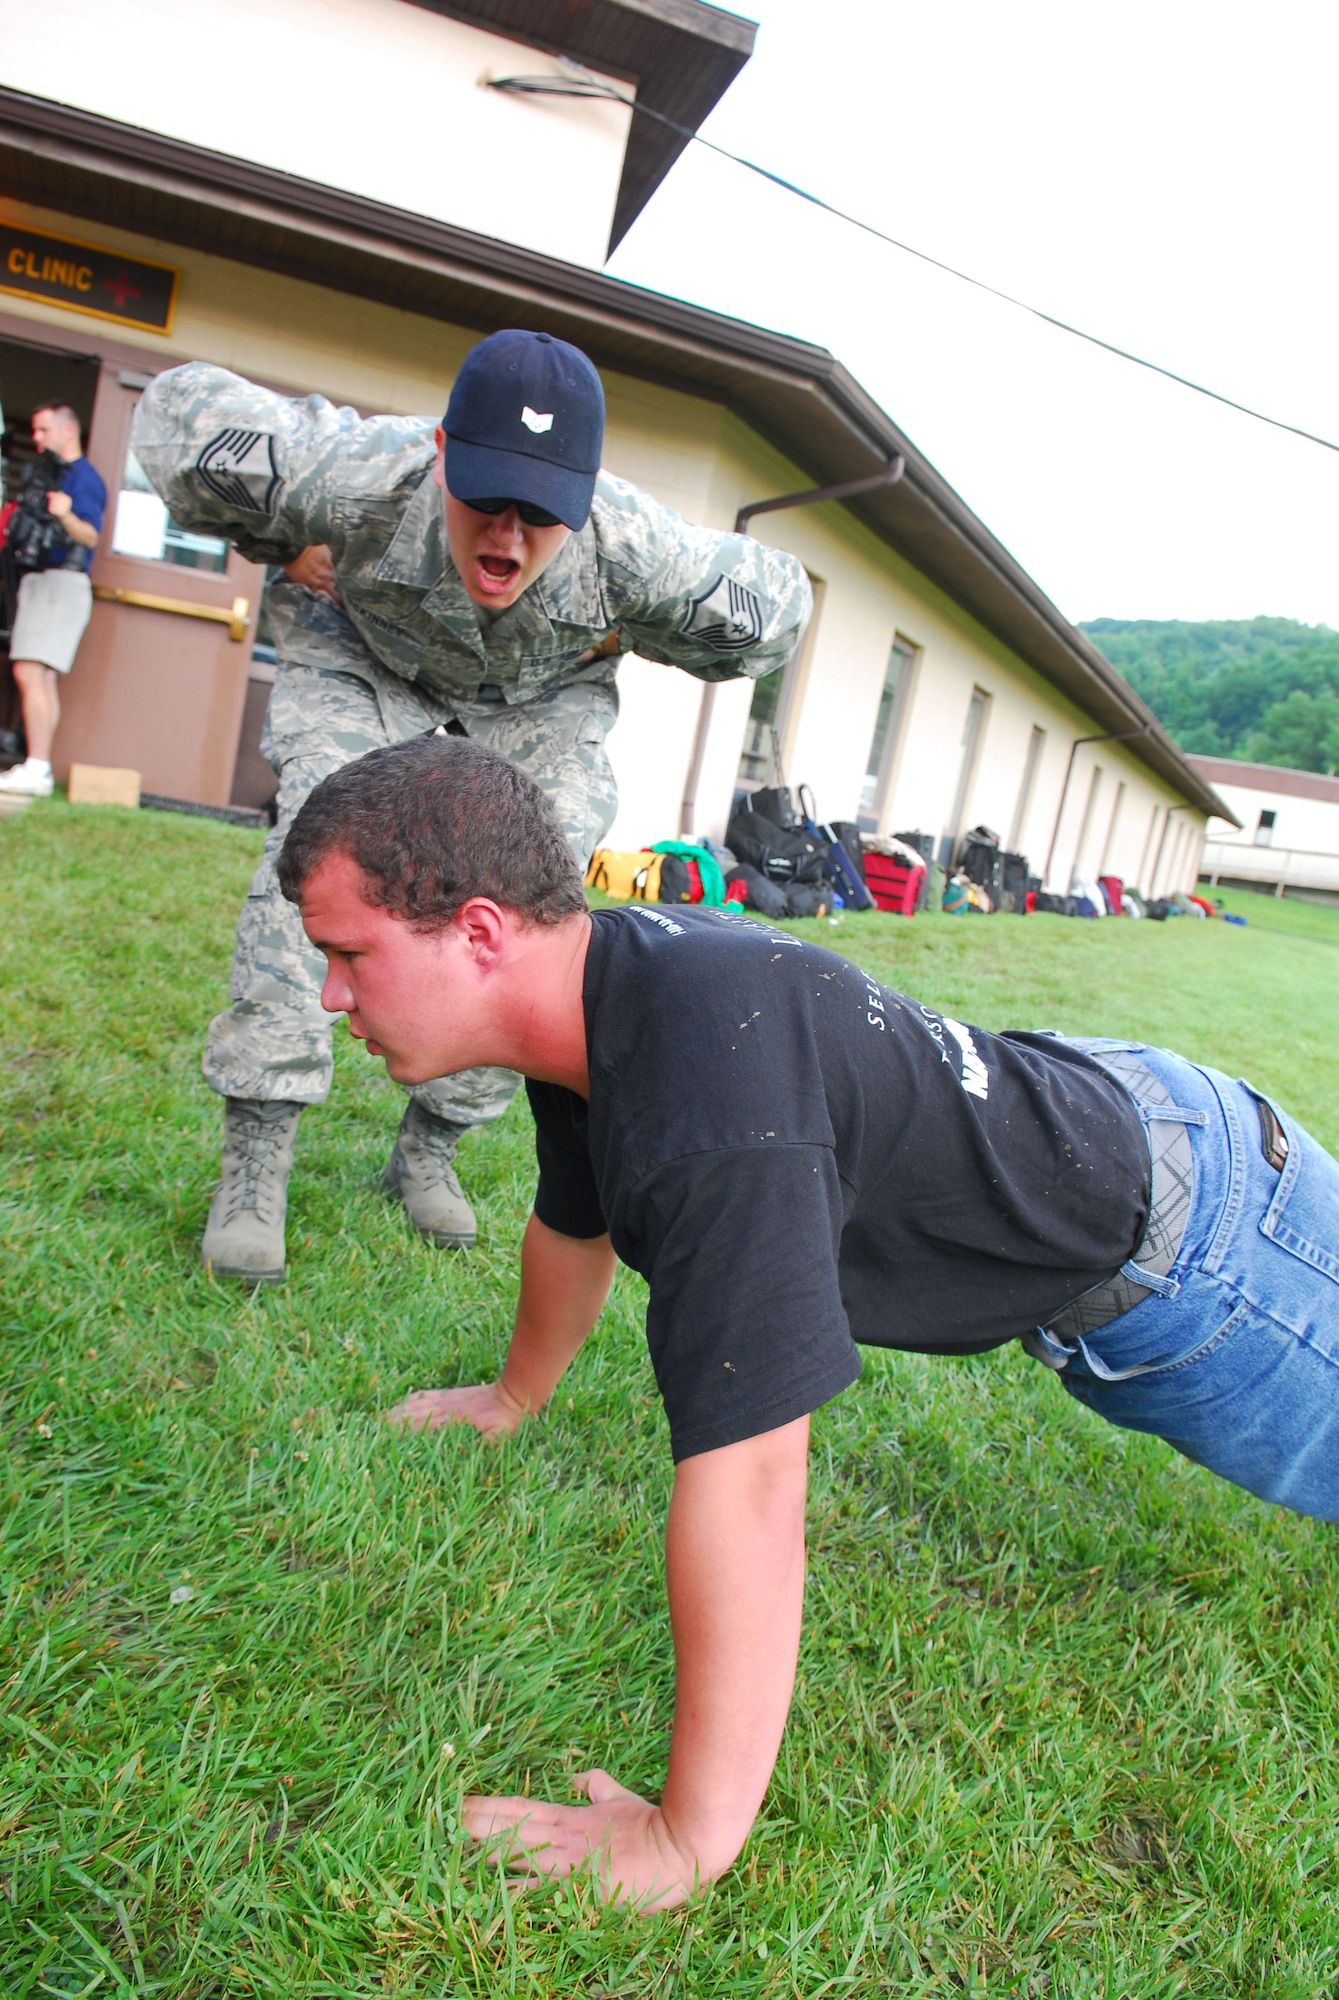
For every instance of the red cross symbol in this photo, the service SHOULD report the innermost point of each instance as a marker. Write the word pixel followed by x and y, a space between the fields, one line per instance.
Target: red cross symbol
pixel 121 289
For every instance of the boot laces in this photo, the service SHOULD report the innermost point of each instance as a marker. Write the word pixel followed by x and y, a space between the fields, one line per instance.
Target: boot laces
pixel 430 1144
pixel 252 1181
pixel 432 1165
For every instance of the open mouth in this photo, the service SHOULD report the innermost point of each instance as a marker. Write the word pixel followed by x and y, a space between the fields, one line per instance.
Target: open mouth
pixel 496 574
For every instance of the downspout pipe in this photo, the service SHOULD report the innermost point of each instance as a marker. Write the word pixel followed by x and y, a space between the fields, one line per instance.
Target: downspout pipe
pixel 1121 736
pixel 846 489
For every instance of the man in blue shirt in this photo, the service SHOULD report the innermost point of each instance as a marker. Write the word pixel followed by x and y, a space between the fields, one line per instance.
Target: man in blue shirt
pixel 55 597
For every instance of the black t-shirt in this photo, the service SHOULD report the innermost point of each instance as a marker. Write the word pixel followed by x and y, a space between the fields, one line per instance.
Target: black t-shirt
pixel 797 1158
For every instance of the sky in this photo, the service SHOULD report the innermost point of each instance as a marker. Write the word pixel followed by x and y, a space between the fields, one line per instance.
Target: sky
pixel 1162 175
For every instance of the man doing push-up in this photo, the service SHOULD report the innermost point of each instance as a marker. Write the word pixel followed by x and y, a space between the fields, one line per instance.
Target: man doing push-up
pixel 800 1160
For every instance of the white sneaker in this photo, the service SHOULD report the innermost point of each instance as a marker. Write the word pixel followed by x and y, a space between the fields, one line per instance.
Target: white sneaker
pixel 29 779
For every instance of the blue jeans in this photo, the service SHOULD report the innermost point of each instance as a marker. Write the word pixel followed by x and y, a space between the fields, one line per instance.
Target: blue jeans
pixel 1234 1356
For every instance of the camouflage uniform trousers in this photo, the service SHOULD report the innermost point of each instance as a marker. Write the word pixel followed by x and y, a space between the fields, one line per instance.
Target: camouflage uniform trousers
pixel 331 703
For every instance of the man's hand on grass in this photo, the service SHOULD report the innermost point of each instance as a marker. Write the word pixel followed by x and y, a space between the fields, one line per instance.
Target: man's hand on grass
pixel 624 1838
pixel 564 1283
pixel 486 1405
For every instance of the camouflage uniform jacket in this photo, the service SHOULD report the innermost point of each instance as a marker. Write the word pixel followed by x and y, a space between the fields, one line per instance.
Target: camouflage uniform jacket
pixel 275 476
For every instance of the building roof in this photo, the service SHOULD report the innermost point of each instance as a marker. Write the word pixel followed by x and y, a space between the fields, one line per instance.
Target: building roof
pixel 1267 778
pixel 796 395
pixel 681 55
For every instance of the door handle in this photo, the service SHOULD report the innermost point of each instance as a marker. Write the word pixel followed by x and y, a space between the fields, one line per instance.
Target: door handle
pixel 235 620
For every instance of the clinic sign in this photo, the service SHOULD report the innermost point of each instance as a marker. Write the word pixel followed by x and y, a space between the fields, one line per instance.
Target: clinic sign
pixel 63 272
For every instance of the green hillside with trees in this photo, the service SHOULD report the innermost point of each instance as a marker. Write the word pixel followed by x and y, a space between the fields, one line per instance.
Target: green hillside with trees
pixel 1265 689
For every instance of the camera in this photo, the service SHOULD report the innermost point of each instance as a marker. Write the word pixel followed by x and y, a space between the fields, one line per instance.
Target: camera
pixel 33 530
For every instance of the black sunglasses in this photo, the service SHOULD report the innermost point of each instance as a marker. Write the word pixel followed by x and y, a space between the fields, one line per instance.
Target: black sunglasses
pixel 534 517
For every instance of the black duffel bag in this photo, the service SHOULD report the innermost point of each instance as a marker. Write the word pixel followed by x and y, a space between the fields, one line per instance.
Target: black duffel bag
pixel 764 896
pixel 808 899
pixel 775 851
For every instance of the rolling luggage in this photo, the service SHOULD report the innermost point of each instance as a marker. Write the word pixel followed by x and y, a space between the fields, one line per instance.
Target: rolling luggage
pixel 1013 884
pixel 846 878
pixel 894 885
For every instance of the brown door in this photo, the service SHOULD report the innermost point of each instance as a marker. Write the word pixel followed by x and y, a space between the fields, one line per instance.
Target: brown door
pixel 160 681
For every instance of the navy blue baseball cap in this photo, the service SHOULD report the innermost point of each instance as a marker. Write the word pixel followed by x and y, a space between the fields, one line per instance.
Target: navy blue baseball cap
pixel 526 422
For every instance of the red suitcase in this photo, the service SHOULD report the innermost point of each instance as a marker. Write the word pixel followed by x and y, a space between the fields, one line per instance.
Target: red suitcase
pixel 894 885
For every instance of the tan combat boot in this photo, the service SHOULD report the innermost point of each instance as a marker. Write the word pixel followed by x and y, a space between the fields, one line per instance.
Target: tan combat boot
pixel 244 1236
pixel 420 1173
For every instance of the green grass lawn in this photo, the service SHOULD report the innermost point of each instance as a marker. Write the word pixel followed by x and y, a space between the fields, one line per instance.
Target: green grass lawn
pixel 1066 1716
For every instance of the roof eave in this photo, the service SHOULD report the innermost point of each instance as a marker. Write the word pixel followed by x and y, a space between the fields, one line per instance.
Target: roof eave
pixel 793 393
pixel 681 56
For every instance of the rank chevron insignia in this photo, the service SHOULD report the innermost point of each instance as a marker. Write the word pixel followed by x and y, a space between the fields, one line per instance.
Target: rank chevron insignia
pixel 238 468
pixel 728 616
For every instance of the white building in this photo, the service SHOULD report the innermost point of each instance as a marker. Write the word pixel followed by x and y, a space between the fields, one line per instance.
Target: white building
pixel 329 195
pixel 1288 837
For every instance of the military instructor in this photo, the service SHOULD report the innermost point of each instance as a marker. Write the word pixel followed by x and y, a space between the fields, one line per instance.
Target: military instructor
pixel 483 577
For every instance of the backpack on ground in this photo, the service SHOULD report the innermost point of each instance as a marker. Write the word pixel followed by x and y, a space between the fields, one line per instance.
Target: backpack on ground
pixel 680 880
pixel 782 855
pixel 979 859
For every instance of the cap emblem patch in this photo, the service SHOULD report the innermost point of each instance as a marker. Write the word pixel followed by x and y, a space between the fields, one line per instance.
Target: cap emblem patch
pixel 536 421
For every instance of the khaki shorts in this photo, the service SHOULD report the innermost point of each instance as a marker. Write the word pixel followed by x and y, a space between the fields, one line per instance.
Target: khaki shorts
pixel 53 609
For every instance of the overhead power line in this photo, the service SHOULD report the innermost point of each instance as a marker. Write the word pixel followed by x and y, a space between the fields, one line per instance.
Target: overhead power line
pixel 590 86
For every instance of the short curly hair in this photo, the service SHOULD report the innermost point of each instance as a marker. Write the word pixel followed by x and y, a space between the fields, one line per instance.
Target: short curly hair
pixel 431 823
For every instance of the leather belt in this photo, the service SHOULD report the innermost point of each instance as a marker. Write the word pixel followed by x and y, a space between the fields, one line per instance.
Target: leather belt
pixel 1168 1209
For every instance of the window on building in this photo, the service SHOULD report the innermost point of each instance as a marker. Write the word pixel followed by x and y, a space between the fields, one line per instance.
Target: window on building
pixel 1264 832
pixel 776 703
pixel 889 721
pixel 1156 875
pixel 1085 824
pixel 973 736
pixel 1148 849
pixel 143 527
pixel 1031 765
pixel 760 761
